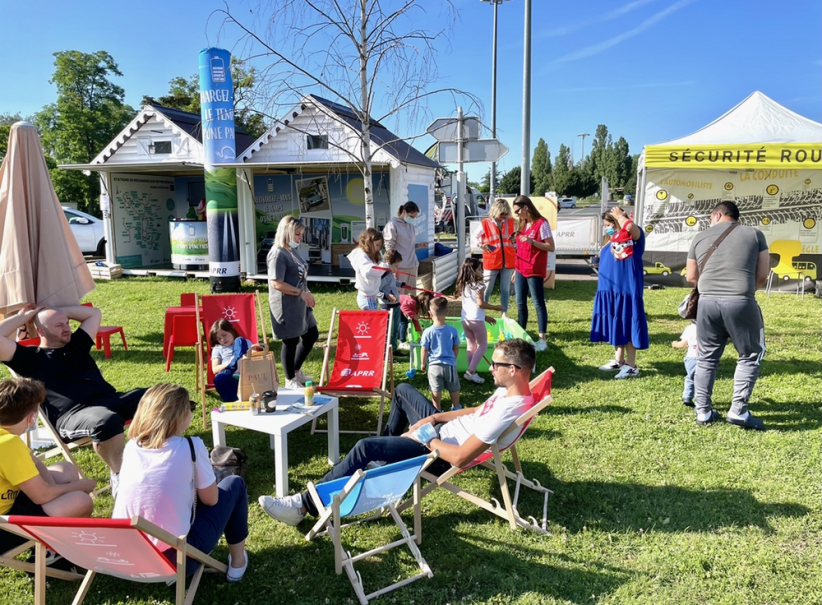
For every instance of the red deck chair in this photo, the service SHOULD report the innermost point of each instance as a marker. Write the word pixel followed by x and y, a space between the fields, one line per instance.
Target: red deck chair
pixel 363 359
pixel 241 311
pixel 492 459
pixel 184 333
pixel 114 547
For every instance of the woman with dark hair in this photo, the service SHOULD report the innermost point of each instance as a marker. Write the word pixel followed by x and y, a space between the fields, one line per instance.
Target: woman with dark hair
pixel 619 308
pixel 290 302
pixel 400 235
pixel 534 242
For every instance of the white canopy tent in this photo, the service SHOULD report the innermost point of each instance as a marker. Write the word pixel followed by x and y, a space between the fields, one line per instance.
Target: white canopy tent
pixel 762 156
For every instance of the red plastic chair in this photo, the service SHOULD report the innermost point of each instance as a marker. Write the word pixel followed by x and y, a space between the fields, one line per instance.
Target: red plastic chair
pixel 104 334
pixel 184 333
pixel 188 299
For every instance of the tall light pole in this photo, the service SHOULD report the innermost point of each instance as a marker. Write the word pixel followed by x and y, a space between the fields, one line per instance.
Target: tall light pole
pixel 525 183
pixel 493 172
pixel 583 135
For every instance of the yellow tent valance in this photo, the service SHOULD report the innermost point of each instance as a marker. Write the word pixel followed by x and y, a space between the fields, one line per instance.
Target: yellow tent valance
pixel 735 156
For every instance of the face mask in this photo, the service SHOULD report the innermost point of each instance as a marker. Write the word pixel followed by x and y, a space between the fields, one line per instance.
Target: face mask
pixel 293 244
pixel 410 220
pixel 610 230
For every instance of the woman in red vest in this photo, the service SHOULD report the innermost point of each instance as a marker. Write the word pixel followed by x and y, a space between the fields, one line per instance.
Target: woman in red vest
pixel 497 242
pixel 534 242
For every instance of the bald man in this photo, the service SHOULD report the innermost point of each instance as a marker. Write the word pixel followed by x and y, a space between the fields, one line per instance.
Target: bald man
pixel 79 402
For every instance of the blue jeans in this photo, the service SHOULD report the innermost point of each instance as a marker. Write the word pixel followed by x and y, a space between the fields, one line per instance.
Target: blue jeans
pixel 229 516
pixel 224 382
pixel 490 278
pixel 395 324
pixel 408 406
pixel 690 368
pixel 522 286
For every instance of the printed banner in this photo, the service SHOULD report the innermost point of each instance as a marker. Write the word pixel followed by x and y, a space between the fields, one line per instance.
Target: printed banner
pixel 189 243
pixel 360 355
pixel 141 207
pixel 783 204
pixel 788 156
pixel 217 114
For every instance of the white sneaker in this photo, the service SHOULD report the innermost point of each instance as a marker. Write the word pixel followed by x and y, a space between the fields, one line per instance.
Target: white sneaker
pixel 287 509
pixel 541 345
pixel 303 377
pixel 404 346
pixel 294 384
pixel 235 574
pixel 611 366
pixel 374 464
pixel 114 479
pixel 474 377
pixel 627 371
pixel 504 315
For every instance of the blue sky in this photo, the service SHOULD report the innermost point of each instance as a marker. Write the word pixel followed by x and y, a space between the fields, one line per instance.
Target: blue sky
pixel 651 70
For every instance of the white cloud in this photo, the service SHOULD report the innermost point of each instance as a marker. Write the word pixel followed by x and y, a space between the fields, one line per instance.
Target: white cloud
pixel 595 49
pixel 617 12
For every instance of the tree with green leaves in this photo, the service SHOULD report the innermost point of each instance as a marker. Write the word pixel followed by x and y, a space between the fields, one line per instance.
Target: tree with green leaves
pixel 510 182
pixel 541 169
pixel 565 179
pixel 6 121
pixel 184 94
pixel 485 185
pixel 89 112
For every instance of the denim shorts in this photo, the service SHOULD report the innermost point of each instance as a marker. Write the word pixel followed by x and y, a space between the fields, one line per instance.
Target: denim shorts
pixel 443 378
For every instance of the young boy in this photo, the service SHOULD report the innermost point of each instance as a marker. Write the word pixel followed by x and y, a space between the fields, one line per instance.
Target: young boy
pixel 27 487
pixel 440 347
pixel 390 297
pixel 688 339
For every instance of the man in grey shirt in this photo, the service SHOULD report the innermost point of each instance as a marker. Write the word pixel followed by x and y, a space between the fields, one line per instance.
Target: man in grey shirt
pixel 728 309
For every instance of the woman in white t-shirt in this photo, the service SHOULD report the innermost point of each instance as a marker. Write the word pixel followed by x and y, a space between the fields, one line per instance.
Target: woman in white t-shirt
pixel 471 287
pixel 167 479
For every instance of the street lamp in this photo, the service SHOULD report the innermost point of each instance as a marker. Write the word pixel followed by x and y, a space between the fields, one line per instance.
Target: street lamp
pixel 583 135
pixel 493 173
pixel 525 182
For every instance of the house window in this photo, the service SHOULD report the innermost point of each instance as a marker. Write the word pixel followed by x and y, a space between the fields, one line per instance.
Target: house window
pixel 316 141
pixel 160 148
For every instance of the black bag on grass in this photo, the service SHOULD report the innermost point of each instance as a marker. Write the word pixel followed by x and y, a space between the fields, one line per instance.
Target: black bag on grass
pixel 228 461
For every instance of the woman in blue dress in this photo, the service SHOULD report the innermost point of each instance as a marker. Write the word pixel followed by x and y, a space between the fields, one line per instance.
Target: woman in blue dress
pixel 619 310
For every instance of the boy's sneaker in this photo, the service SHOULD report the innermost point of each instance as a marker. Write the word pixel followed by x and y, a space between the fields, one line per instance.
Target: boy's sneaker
pixel 404 346
pixel 235 574
pixel 303 377
pixel 611 366
pixel 454 408
pixel 114 479
pixel 687 403
pixel 541 345
pixel 287 509
pixel 294 384
pixel 474 378
pixel 627 371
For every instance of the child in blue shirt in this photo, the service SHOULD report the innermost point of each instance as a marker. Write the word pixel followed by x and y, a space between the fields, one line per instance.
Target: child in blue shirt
pixel 227 348
pixel 389 299
pixel 440 347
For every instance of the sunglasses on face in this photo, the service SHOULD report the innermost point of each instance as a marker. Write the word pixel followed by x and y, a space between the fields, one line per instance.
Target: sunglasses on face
pixel 517 209
pixel 500 364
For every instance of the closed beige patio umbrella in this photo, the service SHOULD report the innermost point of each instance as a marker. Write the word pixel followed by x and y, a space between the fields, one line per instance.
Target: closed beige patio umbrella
pixel 40 261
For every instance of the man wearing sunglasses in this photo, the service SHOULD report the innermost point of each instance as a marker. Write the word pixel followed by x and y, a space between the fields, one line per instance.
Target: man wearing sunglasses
pixel 460 436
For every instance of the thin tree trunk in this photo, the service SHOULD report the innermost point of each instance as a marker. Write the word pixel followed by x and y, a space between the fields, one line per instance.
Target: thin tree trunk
pixel 365 140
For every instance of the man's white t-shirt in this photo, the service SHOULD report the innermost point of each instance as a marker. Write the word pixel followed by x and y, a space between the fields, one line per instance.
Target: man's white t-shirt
pixel 689 335
pixel 489 421
pixel 158 484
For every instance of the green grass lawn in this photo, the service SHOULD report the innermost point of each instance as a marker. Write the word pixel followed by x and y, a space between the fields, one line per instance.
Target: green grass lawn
pixel 648 507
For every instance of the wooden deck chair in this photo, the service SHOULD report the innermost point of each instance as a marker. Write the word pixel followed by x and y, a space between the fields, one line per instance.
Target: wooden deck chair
pixel 364 492
pixel 115 547
pixel 14 542
pixel 491 458
pixel 363 360
pixel 241 311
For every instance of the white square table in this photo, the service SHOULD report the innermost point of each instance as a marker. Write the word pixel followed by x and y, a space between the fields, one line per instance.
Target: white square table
pixel 278 424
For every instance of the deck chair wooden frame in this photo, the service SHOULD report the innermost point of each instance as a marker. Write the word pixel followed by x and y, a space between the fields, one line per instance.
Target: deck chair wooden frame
pixel 27 526
pixel 492 459
pixel 8 558
pixel 382 392
pixel 204 361
pixel 329 522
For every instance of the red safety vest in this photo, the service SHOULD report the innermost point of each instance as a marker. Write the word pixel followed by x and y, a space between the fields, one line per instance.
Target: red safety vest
pixel 500 239
pixel 531 261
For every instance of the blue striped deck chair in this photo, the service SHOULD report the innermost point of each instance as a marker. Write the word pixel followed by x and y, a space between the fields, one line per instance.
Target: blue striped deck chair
pixel 377 489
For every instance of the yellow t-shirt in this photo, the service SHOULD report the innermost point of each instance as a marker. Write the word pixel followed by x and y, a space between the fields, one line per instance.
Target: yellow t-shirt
pixel 16 466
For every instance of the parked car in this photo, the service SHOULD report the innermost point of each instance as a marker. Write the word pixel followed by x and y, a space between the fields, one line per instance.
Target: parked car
pixel 88 231
pixel 567 202
pixel 656 269
pixel 265 246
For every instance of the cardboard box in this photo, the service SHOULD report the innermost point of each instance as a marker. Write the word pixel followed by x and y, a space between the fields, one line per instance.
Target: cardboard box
pixel 105 270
